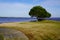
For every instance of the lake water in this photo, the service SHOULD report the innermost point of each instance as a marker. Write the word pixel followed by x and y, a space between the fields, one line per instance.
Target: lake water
pixel 15 19
pixel 21 19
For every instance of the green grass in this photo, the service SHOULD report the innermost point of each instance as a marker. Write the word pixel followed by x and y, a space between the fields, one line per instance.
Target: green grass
pixel 1 37
pixel 44 30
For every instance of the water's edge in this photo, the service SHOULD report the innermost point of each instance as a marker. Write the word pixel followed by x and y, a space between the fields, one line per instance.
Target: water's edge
pixel 21 19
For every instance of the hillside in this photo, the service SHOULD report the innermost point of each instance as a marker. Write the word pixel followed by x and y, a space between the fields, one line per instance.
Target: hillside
pixel 44 30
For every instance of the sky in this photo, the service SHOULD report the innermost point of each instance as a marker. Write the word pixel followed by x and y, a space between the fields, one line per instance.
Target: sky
pixel 21 8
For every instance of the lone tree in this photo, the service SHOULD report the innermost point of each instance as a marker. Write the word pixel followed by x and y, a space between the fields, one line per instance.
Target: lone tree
pixel 39 12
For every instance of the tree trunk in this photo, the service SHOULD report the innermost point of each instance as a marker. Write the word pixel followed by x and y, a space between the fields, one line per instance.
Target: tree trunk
pixel 40 19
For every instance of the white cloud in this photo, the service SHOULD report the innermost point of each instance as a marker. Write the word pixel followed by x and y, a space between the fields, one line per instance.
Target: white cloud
pixel 22 10
pixel 52 6
pixel 51 2
pixel 14 9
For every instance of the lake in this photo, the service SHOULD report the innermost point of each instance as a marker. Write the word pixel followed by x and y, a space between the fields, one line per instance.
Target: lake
pixel 21 19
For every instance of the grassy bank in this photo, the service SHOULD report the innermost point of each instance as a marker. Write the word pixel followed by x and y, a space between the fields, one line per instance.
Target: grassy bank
pixel 44 30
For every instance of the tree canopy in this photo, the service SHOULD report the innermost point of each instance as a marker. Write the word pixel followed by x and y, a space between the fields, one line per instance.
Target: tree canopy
pixel 39 12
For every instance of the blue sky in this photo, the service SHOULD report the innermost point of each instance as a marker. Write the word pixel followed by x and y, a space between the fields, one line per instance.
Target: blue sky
pixel 21 8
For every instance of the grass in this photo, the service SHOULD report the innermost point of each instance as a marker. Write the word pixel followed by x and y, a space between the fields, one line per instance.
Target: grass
pixel 1 37
pixel 44 30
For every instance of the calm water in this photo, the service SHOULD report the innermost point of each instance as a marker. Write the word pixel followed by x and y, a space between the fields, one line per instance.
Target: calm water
pixel 21 19
pixel 15 19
